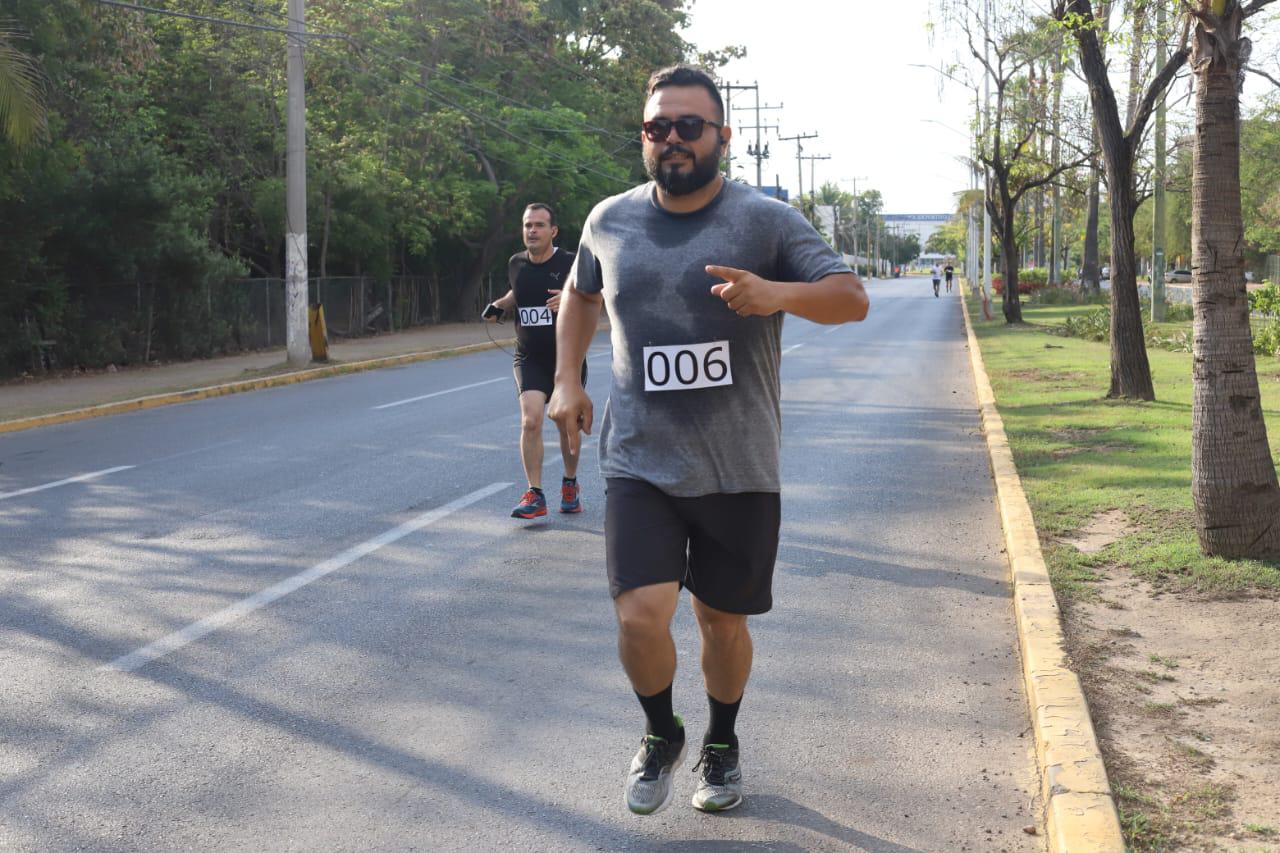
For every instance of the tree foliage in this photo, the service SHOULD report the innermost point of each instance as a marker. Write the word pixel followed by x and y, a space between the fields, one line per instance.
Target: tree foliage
pixel 431 123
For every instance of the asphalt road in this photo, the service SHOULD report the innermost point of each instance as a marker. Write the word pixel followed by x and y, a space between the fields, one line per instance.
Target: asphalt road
pixel 294 620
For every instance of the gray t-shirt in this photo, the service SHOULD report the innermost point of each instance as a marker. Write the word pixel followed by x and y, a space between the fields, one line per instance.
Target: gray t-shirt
pixel 711 420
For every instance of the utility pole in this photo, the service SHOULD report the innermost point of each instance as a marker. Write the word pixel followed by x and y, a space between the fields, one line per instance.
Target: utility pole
pixel 729 89
pixel 985 284
pixel 813 194
pixel 813 183
pixel 1055 228
pixel 1157 237
pixel 760 151
pixel 797 139
pixel 757 153
pixel 297 341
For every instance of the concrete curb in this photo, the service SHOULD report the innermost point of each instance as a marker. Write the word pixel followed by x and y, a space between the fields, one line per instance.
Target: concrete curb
pixel 156 400
pixel 1080 814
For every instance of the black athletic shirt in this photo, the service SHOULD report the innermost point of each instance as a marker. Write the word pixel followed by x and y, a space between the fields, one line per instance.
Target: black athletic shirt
pixel 532 283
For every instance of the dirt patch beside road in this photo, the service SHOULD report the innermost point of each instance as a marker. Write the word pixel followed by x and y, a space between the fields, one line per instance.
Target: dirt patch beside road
pixel 1187 710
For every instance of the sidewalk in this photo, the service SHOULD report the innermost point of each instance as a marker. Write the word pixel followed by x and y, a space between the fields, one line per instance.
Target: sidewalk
pixel 36 397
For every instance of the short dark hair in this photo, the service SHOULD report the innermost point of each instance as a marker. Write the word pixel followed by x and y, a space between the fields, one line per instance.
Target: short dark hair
pixel 539 205
pixel 685 75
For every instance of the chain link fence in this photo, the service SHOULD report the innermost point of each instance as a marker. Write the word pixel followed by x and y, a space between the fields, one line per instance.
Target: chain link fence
pixel 102 325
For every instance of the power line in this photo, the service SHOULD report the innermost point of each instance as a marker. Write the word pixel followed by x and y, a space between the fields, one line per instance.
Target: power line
pixel 224 22
pixel 435 69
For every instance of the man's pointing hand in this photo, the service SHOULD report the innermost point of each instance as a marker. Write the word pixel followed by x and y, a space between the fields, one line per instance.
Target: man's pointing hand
pixel 746 293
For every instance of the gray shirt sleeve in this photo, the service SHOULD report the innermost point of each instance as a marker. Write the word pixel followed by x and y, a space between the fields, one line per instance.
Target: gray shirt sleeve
pixel 586 273
pixel 805 255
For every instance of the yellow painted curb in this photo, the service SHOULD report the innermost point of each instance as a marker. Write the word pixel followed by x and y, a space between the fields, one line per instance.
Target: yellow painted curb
pixel 156 400
pixel 1080 814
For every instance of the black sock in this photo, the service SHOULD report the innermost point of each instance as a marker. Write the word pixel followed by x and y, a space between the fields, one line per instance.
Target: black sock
pixel 723 717
pixel 536 489
pixel 660 720
pixel 568 481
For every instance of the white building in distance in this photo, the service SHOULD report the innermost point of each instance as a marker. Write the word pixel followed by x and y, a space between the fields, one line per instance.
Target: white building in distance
pixel 923 225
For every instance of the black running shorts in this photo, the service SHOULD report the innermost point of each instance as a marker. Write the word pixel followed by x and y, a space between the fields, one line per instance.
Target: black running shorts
pixel 722 547
pixel 538 373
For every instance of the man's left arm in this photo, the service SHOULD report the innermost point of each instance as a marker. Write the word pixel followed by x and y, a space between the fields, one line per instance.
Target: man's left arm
pixel 835 298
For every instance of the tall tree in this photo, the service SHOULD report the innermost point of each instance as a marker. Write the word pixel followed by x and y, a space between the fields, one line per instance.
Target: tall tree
pixel 1130 370
pixel 1234 486
pixel 1091 264
pixel 1009 51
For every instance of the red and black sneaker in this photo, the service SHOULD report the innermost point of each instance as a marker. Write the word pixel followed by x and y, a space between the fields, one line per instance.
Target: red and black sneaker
pixel 532 505
pixel 569 499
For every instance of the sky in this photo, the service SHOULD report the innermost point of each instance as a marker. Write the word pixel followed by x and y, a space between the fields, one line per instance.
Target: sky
pixel 849 71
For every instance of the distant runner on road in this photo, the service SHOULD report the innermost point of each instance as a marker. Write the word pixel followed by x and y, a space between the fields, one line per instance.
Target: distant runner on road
pixel 937 278
pixel 950 271
pixel 537 276
pixel 696 273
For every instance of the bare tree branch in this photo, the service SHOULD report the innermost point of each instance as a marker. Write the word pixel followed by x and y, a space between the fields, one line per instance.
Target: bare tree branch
pixel 1255 7
pixel 1156 91
pixel 1273 80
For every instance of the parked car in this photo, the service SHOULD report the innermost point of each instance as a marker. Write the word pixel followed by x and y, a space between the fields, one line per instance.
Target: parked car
pixel 1178 276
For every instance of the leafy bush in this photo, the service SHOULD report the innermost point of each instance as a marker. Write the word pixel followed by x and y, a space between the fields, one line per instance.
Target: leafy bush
pixel 1265 300
pixel 1266 339
pixel 1093 326
pixel 1178 312
pixel 1034 275
pixel 1025 286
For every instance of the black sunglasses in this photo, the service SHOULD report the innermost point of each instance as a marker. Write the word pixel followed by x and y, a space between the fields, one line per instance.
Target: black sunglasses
pixel 689 128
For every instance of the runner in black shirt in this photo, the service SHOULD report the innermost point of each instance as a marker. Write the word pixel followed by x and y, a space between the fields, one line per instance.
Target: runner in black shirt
pixel 950 272
pixel 536 276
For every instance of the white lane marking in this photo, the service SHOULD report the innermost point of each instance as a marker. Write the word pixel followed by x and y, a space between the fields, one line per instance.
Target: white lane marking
pixel 792 347
pixel 209 624
pixel 441 393
pixel 598 354
pixel 92 475
pixel 834 328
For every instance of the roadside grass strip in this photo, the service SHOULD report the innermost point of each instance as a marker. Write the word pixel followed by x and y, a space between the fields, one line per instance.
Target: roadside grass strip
pixel 1080 455
pixel 1083 462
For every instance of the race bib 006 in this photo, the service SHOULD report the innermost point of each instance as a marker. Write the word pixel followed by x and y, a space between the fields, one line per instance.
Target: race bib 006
pixel 536 316
pixel 688 366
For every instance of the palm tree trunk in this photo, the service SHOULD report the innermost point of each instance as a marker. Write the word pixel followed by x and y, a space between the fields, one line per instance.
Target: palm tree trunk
pixel 1234 488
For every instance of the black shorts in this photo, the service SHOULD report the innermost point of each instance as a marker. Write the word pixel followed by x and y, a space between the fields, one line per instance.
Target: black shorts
pixel 538 373
pixel 722 547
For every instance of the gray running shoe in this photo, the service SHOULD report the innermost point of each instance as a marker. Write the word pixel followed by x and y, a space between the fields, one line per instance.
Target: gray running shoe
pixel 720 783
pixel 649 781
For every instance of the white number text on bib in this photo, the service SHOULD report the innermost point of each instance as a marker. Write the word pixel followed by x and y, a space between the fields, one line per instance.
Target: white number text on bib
pixel 686 367
pixel 536 316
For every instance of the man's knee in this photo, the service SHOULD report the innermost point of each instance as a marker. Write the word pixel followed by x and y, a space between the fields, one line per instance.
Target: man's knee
pixel 643 612
pixel 530 423
pixel 720 627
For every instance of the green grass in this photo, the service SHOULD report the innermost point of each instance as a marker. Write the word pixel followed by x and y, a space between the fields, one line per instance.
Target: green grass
pixel 1080 454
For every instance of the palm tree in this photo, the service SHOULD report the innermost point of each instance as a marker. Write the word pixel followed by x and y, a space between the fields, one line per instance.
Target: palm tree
pixel 1234 488
pixel 22 110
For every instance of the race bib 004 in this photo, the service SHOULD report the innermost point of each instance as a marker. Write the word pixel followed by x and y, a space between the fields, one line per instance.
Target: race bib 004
pixel 536 316
pixel 688 366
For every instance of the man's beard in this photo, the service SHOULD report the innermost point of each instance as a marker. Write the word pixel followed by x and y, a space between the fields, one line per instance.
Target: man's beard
pixel 680 181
